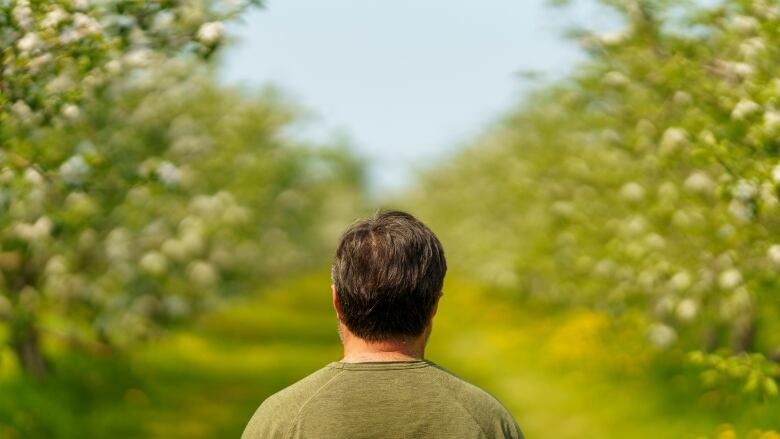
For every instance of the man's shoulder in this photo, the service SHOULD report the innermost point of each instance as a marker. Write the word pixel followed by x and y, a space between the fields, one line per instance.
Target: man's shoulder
pixel 299 392
pixel 492 416
pixel 465 391
pixel 278 414
pixel 275 415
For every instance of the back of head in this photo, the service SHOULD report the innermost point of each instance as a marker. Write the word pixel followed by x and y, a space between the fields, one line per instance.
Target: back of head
pixel 388 272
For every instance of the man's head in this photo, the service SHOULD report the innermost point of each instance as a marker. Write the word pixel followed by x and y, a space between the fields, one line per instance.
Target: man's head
pixel 388 274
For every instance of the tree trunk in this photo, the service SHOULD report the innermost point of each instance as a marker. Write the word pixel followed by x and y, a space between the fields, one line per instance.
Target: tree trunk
pixel 744 334
pixel 26 344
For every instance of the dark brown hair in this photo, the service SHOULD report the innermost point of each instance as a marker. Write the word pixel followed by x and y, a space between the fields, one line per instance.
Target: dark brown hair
pixel 388 272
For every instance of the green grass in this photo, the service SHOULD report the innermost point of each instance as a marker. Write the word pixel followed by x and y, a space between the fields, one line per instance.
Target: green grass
pixel 563 374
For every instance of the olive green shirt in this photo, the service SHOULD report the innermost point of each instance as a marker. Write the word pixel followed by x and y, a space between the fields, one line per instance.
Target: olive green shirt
pixel 382 400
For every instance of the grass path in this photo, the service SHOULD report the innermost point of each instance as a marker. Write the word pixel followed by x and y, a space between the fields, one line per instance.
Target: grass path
pixel 536 366
pixel 553 370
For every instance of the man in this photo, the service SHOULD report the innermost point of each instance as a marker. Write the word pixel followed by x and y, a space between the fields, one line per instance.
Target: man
pixel 387 277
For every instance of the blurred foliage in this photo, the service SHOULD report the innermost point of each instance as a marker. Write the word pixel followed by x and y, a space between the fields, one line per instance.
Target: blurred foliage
pixel 56 53
pixel 201 381
pixel 621 226
pixel 754 370
pixel 648 180
pixel 134 191
pixel 727 432
pixel 574 373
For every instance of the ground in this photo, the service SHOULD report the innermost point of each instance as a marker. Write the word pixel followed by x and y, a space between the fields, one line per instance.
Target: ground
pixel 562 374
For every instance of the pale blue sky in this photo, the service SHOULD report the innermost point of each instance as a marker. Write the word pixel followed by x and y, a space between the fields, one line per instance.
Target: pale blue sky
pixel 407 80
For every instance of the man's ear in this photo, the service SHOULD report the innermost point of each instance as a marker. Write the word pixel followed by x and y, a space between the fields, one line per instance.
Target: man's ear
pixel 436 305
pixel 335 300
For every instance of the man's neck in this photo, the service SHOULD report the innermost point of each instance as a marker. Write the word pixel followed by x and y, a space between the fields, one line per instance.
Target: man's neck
pixel 358 350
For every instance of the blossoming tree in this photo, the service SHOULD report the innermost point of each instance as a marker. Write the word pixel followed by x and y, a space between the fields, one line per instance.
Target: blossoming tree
pixel 134 191
pixel 648 180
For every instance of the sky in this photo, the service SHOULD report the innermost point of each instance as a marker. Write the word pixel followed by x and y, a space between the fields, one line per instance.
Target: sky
pixel 407 82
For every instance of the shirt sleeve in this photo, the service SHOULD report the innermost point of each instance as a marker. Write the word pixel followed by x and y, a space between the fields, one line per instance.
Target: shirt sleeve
pixel 268 422
pixel 510 429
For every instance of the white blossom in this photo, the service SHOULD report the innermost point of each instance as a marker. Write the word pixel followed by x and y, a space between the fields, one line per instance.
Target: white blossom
pixel 655 241
pixel 29 42
pixel 174 249
pixel 768 194
pixel 743 23
pixel 168 173
pixel 211 32
pixel 74 170
pixel 740 210
pixel 69 35
pixel 163 20
pixel 729 279
pixel 741 69
pixel 61 83
pixel 54 17
pixel 39 61
pixel 36 231
pixel 752 48
pixel 154 263
pixel 71 111
pixel 113 67
pixel 664 305
pixel 745 190
pixel 661 335
pixel 86 24
pixel 612 38
pixel 7 175
pixel 81 203
pixel 636 225
pixel 22 110
pixel 202 273
pixel 117 244
pixel 42 227
pixel 687 310
pixel 564 209
pixel 773 253
pixel 23 14
pixel 56 265
pixel 726 231
pixel 235 214
pixel 672 139
pixel 192 240
pixel 744 108
pixel 699 182
pixel 138 58
pixel 33 176
pixel 706 137
pixel 682 98
pixel 615 79
pixel 632 191
pixel 772 120
pixel 605 267
pixel 681 280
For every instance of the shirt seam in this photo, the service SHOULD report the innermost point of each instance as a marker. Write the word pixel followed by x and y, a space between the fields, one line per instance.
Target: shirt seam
pixel 343 367
pixel 471 415
pixel 300 410
pixel 484 433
